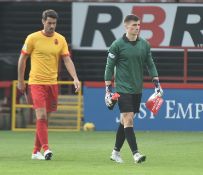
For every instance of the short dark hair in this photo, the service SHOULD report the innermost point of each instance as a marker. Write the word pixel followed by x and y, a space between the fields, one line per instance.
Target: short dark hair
pixel 131 17
pixel 49 13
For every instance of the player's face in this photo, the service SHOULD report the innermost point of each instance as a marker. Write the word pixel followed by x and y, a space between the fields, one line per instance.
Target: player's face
pixel 133 27
pixel 49 25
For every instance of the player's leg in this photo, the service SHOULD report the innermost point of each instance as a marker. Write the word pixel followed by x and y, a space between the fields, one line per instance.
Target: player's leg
pixel 120 135
pixel 47 152
pixel 128 105
pixel 36 154
pixel 131 138
pixel 120 138
pixel 51 106
pixel 39 102
pixel 136 103
pixel 129 131
pixel 126 108
pixel 37 145
pixel 42 128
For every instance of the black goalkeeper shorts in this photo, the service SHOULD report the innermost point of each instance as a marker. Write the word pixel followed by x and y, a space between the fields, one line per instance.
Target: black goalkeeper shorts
pixel 129 102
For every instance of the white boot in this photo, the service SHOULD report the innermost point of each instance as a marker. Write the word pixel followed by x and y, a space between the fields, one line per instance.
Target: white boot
pixel 139 158
pixel 115 156
pixel 48 154
pixel 37 156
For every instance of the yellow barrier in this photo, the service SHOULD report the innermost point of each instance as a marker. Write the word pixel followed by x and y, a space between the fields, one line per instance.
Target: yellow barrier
pixel 73 103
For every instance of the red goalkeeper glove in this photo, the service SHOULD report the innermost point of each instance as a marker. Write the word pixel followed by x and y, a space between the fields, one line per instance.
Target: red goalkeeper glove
pixel 154 103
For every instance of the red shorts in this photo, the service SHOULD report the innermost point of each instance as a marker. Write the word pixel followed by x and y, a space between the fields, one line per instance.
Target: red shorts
pixel 44 96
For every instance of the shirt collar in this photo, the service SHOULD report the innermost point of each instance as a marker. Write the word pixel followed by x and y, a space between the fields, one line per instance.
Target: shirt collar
pixel 127 40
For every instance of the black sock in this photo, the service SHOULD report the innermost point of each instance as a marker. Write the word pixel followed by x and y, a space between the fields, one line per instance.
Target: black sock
pixel 120 137
pixel 130 136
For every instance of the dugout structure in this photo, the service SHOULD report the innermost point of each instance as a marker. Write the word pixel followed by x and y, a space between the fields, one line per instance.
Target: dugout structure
pixel 68 117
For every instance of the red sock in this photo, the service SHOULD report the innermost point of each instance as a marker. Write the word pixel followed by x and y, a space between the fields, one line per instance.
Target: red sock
pixel 38 146
pixel 42 132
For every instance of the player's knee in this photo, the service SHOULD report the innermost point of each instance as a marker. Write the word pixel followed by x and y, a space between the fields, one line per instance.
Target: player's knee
pixel 41 113
pixel 128 122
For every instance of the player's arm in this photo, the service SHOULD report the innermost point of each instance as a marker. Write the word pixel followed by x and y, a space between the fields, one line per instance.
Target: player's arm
pixel 21 71
pixel 109 72
pixel 25 52
pixel 153 72
pixel 71 69
pixel 110 64
pixel 150 64
pixel 110 98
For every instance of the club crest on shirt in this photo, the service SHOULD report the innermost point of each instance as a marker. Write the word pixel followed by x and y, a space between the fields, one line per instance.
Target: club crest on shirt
pixel 56 42
pixel 110 55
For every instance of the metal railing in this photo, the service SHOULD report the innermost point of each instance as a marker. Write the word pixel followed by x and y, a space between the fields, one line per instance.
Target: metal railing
pixel 19 104
pixel 190 61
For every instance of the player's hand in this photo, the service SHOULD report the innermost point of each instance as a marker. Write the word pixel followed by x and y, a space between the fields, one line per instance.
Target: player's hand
pixel 158 90
pixel 108 95
pixel 21 86
pixel 76 83
pixel 108 100
pixel 111 99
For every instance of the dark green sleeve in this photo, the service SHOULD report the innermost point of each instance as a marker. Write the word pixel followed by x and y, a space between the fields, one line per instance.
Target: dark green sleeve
pixel 150 63
pixel 111 62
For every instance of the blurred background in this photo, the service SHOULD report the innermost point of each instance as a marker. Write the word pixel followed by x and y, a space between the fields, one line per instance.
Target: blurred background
pixel 174 29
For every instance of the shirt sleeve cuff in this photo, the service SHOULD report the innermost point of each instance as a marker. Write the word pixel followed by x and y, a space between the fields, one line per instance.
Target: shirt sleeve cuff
pixel 24 52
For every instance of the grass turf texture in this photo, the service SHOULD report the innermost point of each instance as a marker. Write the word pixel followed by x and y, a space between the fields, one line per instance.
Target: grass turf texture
pixel 87 153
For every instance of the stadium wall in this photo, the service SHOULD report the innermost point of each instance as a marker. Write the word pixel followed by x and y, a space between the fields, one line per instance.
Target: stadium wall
pixel 182 109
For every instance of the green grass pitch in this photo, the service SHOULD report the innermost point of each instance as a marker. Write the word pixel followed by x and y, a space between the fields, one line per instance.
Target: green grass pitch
pixel 87 153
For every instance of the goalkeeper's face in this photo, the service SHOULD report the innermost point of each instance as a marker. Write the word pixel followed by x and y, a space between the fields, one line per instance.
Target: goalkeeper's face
pixel 132 27
pixel 49 25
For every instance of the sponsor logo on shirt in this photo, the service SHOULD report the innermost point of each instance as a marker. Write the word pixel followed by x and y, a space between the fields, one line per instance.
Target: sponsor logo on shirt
pixel 56 42
pixel 110 55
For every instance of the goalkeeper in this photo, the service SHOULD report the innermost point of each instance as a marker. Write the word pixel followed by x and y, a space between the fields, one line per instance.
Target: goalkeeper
pixel 126 60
